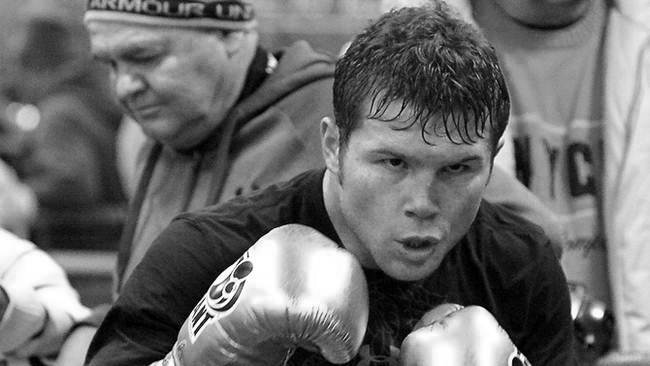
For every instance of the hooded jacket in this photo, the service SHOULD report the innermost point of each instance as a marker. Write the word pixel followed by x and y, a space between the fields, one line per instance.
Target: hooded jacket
pixel 269 136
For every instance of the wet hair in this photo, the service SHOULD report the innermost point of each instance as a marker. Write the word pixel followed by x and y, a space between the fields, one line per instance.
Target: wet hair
pixel 435 65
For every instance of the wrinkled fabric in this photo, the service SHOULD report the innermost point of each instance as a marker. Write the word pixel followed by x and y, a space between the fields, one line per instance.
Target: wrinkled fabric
pixel 627 177
pixel 43 306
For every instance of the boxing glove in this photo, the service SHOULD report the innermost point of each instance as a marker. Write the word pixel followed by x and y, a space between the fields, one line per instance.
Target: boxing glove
pixel 436 314
pixel 293 288
pixel 457 336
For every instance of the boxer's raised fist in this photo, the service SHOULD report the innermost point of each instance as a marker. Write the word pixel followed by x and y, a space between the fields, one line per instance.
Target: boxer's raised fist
pixel 455 336
pixel 436 314
pixel 293 288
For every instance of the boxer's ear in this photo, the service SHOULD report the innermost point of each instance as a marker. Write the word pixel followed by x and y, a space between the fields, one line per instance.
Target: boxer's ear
pixel 330 144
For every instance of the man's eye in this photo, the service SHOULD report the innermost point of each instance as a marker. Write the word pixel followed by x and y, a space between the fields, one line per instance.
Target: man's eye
pixel 394 163
pixel 456 168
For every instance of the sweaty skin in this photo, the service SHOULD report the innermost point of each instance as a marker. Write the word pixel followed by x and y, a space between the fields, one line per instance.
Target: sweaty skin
pixel 423 196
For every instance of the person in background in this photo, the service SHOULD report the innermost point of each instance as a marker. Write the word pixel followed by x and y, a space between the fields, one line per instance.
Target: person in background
pixel 222 115
pixel 420 104
pixel 71 167
pixel 576 70
pixel 38 307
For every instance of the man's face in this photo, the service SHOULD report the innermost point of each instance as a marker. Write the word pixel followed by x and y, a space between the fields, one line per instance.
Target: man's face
pixel 178 84
pixel 400 204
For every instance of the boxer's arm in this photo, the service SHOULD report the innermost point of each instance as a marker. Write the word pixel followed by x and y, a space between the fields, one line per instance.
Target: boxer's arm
pixel 142 325
pixel 293 288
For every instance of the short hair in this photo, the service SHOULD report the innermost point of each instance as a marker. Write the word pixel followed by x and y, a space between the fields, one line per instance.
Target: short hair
pixel 430 61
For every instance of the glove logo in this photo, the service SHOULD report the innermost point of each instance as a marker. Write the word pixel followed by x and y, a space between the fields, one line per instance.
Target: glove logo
pixel 221 297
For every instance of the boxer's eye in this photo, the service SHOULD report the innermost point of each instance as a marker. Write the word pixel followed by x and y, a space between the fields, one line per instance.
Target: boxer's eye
pixel 394 163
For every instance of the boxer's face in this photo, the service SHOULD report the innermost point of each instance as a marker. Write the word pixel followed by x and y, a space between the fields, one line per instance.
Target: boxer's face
pixel 178 84
pixel 398 203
